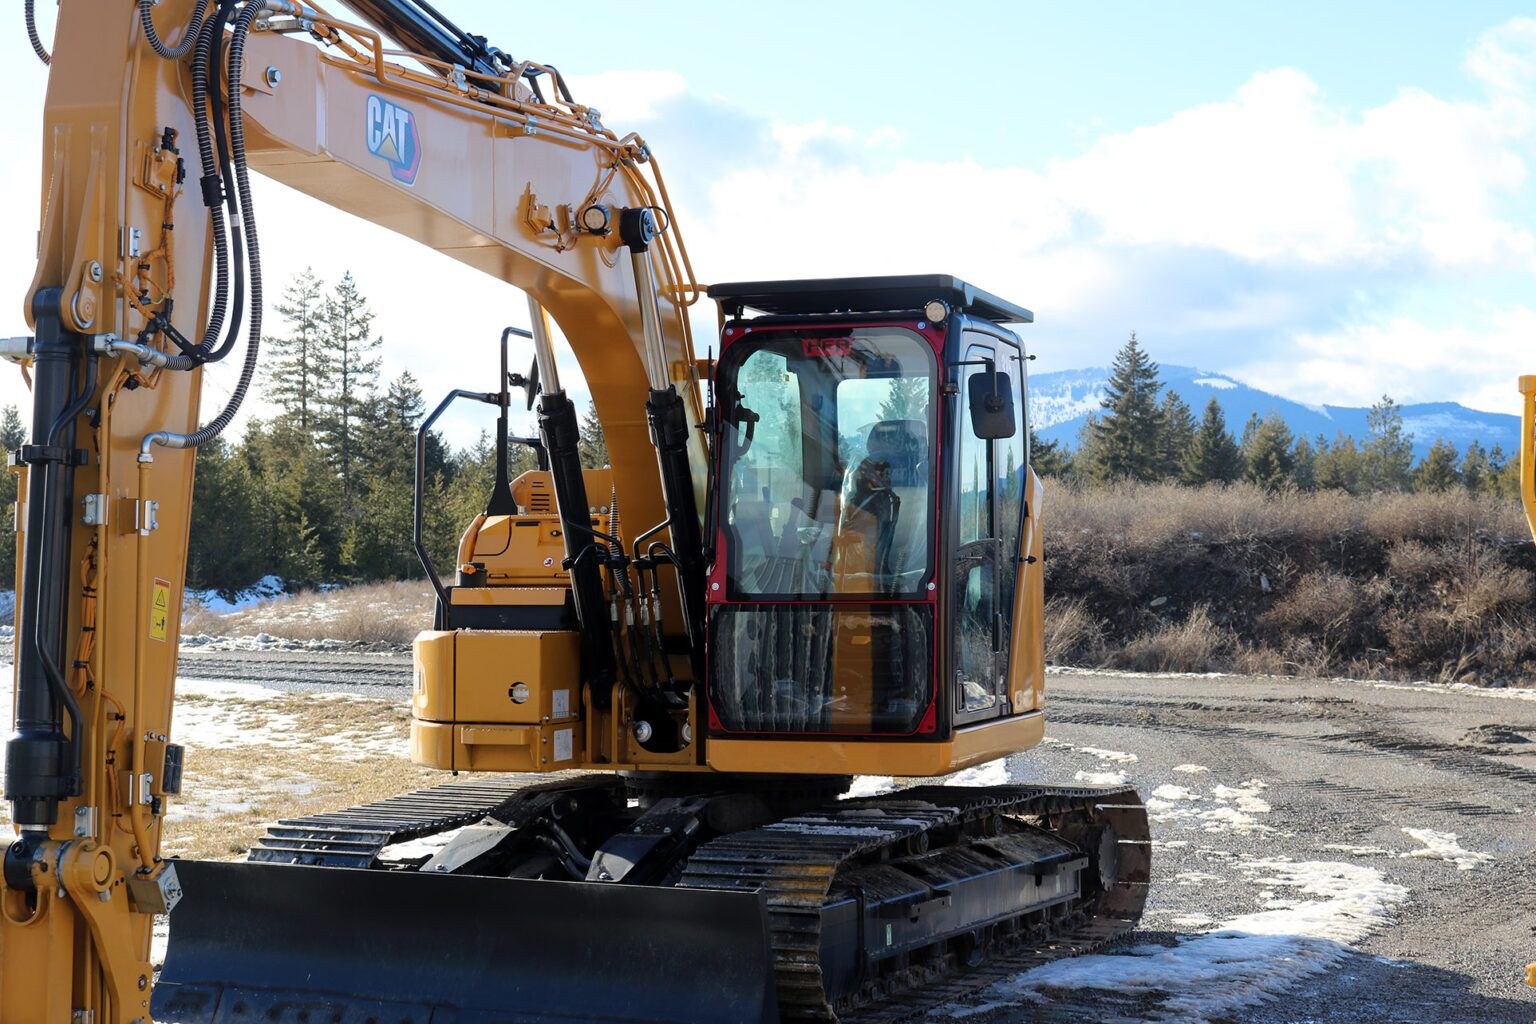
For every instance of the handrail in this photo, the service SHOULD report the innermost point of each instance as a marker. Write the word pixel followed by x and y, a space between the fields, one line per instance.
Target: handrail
pixel 1528 451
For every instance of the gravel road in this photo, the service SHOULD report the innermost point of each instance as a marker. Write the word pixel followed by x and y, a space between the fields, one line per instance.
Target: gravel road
pixel 1328 852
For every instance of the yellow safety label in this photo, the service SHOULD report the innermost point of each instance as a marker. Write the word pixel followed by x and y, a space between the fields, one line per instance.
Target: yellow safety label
pixel 160 609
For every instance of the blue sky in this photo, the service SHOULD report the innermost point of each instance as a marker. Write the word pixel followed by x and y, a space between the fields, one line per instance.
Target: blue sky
pixel 1330 201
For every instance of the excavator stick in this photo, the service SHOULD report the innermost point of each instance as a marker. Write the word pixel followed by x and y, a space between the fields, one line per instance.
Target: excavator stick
pixel 285 944
pixel 1528 449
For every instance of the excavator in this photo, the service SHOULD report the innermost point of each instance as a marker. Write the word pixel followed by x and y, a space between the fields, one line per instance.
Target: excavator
pixel 1528 499
pixel 814 556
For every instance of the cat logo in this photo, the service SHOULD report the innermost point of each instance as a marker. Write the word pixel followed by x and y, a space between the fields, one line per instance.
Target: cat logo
pixel 392 137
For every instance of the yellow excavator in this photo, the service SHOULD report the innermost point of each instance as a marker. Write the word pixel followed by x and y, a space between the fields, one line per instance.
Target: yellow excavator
pixel 814 557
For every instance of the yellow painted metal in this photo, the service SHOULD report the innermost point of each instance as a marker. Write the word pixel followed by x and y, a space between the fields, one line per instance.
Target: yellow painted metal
pixel 1528 450
pixel 502 596
pixel 969 746
pixel 511 677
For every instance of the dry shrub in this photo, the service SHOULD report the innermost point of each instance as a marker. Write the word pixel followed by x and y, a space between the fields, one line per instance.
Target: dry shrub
pixel 1195 645
pixel 391 612
pixel 1073 634
pixel 1390 586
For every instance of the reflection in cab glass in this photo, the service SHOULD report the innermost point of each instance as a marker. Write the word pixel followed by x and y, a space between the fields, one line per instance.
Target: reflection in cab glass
pixel 828 493
pixel 827 469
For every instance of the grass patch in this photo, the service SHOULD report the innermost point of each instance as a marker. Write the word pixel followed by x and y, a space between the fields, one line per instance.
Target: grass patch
pixel 392 612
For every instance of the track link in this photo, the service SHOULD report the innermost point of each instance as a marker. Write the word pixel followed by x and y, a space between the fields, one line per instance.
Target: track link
pixel 796 864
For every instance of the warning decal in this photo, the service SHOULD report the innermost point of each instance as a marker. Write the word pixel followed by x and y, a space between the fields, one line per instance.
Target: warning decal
pixel 160 609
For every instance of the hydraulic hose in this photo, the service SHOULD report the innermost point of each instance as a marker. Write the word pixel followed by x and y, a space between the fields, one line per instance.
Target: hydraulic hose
pixel 32 36
pixel 216 427
pixel 188 38
pixel 210 184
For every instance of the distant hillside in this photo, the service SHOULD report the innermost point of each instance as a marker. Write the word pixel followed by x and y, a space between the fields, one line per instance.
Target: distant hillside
pixel 1060 402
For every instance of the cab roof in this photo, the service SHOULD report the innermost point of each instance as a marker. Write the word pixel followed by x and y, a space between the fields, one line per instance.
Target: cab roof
pixel 901 292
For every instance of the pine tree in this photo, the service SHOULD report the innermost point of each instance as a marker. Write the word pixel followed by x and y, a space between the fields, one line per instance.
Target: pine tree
pixel 348 365
pixel 1127 439
pixel 1304 465
pixel 1178 435
pixel 13 432
pixel 227 548
pixel 1339 466
pixel 1048 458
pixel 293 361
pixel 1437 471
pixel 1213 456
pixel 591 446
pixel 1388 453
pixel 1268 454
pixel 1475 469
pixel 907 399
pixel 1250 429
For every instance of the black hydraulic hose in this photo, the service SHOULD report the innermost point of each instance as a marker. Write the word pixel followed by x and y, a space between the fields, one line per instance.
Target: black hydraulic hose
pixel 67 415
pixel 32 36
pixel 211 185
pixel 231 159
pixel 188 38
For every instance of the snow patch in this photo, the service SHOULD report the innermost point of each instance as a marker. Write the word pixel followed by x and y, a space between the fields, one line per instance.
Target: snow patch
pixel 264 589
pixel 993 773
pixel 1174 793
pixel 1100 778
pixel 1219 383
pixel 869 785
pixel 1359 851
pixel 1242 962
pixel 1444 846
pixel 1191 769
pixel 1460 688
pixel 1118 756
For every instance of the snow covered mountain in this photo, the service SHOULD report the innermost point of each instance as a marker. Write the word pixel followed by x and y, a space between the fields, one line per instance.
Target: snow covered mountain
pixel 1060 402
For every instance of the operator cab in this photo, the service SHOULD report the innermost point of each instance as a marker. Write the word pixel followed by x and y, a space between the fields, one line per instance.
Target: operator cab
pixel 871 476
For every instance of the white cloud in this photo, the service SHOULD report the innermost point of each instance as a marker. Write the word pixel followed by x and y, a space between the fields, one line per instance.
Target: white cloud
pixel 1274 234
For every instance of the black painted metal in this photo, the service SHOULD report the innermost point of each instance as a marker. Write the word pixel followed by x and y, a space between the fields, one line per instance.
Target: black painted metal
pixel 560 432
pixel 42 764
pixel 418 503
pixel 669 434
pixel 866 295
pixel 282 945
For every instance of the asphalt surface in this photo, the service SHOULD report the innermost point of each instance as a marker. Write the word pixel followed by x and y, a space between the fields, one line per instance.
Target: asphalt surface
pixel 1314 773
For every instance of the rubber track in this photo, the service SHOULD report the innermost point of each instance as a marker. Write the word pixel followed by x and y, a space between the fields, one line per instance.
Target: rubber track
pixel 354 837
pixel 795 863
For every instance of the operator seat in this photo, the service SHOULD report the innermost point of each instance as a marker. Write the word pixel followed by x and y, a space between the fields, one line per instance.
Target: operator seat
pixel 885 503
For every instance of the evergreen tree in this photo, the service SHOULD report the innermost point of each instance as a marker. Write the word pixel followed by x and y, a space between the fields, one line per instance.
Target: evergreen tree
pixel 1178 434
pixel 299 513
pixel 1437 471
pixel 348 364
pixel 1304 465
pixel 227 549
pixel 1339 466
pixel 1387 458
pixel 293 360
pixel 1128 437
pixel 907 399
pixel 1268 454
pixel 1250 429
pixel 1048 458
pixel 1504 474
pixel 1475 470
pixel 591 446
pixel 13 432
pixel 1213 457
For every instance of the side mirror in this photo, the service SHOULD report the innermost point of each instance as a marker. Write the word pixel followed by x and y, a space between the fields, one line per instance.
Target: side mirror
pixel 991 399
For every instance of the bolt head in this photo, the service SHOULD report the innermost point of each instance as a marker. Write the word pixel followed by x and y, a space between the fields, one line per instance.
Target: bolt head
pixel 94 269
pixel 274 76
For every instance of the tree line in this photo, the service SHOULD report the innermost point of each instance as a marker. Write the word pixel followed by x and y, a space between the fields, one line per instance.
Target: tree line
pixel 1145 432
pixel 322 491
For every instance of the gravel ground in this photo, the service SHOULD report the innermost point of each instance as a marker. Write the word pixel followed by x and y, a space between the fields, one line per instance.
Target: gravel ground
pixel 1344 764
pixel 1259 787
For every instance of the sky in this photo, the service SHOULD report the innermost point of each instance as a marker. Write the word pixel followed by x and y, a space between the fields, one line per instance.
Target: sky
pixel 1327 201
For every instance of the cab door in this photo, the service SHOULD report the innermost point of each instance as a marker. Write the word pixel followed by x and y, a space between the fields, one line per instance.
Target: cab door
pixel 978 658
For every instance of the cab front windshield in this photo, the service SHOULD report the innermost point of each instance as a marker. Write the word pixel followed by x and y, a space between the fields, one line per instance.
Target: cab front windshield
pixel 827 471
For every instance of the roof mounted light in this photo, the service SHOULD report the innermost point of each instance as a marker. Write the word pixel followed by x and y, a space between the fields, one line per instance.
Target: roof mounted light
pixel 937 311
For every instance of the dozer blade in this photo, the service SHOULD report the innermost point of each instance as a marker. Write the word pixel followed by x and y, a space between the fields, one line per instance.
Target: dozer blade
pixel 255 943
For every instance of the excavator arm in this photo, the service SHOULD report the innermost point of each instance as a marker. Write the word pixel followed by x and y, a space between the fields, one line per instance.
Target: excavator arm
pixel 149 270
pixel 1528 456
